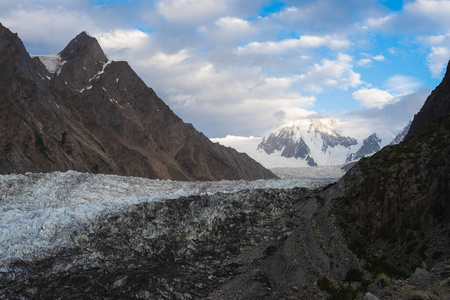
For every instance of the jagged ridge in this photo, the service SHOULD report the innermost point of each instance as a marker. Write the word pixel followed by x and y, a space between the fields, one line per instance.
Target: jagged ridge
pixel 92 114
pixel 318 142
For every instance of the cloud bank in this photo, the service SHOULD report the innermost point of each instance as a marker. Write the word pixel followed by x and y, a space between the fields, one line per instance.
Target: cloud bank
pixel 235 68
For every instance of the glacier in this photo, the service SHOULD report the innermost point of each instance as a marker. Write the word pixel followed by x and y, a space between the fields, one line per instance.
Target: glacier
pixel 41 213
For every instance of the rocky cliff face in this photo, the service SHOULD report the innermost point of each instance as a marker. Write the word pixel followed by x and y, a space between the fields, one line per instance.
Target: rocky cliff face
pixel 436 105
pixel 80 111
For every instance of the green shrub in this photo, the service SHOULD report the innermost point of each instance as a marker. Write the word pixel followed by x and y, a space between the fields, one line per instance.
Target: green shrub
pixel 343 293
pixel 353 275
pixel 325 285
pixel 382 280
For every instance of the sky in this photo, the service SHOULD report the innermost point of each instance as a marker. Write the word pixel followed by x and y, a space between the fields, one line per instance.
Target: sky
pixel 243 68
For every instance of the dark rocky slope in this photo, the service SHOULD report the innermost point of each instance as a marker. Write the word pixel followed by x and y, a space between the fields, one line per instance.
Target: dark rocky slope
pixel 436 105
pixel 396 204
pixel 95 115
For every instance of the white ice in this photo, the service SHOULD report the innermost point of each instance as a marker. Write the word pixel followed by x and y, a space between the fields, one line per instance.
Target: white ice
pixel 52 63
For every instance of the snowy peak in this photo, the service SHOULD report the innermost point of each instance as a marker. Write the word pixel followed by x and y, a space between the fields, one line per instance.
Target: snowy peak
pixel 370 145
pixel 318 142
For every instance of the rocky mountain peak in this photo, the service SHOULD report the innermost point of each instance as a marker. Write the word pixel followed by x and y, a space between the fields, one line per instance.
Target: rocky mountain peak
pixel 78 110
pixel 86 46
pixel 370 145
pixel 319 142
pixel 81 61
pixel 13 55
pixel 436 105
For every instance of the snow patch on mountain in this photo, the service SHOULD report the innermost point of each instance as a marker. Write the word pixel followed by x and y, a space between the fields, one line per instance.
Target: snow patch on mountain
pixel 52 63
pixel 99 73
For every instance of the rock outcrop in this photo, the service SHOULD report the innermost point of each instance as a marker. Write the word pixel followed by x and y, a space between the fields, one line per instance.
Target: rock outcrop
pixel 78 110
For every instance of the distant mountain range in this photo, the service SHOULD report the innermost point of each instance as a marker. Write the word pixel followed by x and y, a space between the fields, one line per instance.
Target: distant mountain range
pixel 318 142
pixel 78 110
pixel 312 142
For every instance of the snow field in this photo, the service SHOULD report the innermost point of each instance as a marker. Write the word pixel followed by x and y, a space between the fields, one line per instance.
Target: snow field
pixel 52 63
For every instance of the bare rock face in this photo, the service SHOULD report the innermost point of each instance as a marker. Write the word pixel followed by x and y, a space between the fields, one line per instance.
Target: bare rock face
pixel 370 145
pixel 80 111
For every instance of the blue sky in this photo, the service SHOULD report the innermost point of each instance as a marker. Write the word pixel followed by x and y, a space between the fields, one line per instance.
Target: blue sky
pixel 243 68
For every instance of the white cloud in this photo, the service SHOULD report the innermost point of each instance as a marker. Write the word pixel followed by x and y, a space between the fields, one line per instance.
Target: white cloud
pixel 437 60
pixel 420 16
pixel 306 41
pixel 400 85
pixel 365 62
pixel 331 73
pixel 231 23
pixel 191 11
pixel 50 26
pixel 439 54
pixel 432 40
pixel 122 39
pixel 381 22
pixel 373 97
pixel 435 11
pixel 230 29
pixel 391 117
pixel 163 60
pixel 379 57
pixel 203 91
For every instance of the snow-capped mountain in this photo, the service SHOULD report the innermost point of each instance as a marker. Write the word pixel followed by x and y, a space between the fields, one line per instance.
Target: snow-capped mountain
pixel 320 142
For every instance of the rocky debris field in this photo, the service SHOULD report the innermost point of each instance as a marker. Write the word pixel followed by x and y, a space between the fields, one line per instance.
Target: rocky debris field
pixel 69 234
